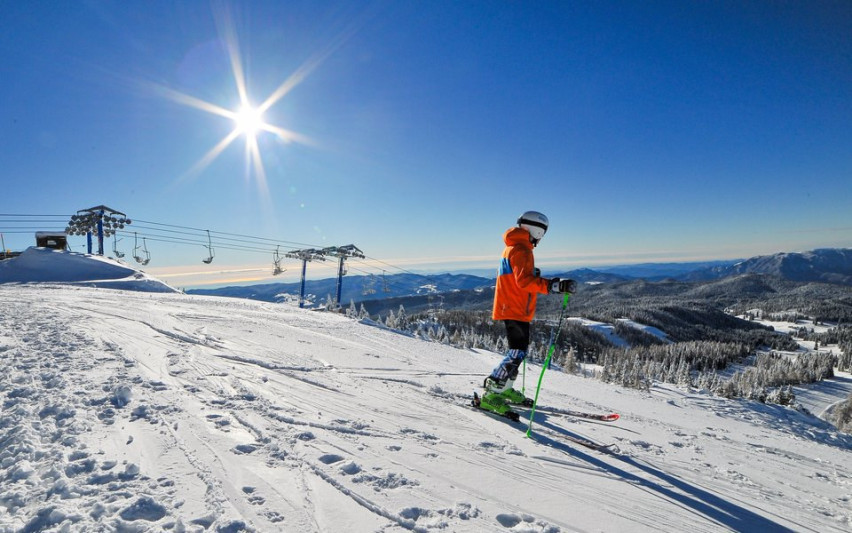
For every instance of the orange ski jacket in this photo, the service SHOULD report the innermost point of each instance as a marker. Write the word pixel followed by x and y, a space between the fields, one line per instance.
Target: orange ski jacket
pixel 517 286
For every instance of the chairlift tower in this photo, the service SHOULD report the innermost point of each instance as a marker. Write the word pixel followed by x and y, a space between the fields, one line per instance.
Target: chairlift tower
pixel 306 255
pixel 342 253
pixel 102 219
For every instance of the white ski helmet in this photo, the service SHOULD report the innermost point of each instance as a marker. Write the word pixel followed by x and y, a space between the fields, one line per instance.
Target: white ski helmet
pixel 535 223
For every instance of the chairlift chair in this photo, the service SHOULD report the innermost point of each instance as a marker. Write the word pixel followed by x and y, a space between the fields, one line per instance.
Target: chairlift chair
pixel 210 249
pixel 136 256
pixel 369 286
pixel 115 240
pixel 145 251
pixel 276 263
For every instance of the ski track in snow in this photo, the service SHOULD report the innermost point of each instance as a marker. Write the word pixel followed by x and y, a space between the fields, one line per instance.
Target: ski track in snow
pixel 126 411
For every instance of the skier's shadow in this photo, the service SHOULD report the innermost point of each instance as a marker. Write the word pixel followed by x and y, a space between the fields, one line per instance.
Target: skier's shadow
pixel 716 508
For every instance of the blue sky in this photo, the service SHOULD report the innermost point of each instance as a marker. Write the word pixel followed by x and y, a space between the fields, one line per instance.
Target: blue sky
pixel 646 131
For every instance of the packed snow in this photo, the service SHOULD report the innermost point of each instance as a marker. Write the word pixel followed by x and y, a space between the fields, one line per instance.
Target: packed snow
pixel 139 411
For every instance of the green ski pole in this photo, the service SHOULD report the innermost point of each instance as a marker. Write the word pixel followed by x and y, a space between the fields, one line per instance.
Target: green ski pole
pixel 550 350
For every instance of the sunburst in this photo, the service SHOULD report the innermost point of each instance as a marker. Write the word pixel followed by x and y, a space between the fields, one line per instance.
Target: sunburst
pixel 248 120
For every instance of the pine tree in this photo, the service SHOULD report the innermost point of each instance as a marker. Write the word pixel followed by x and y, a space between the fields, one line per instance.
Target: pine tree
pixel 683 375
pixel 401 319
pixel 842 415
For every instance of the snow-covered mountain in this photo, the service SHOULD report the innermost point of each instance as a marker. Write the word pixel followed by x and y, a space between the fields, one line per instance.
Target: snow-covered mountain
pixel 138 411
pixel 659 271
pixel 828 265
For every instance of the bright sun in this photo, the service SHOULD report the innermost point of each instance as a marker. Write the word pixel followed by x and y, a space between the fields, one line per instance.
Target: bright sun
pixel 249 121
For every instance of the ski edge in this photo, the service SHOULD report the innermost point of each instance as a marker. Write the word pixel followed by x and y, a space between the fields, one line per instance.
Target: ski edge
pixel 601 417
pixel 513 416
pixel 611 448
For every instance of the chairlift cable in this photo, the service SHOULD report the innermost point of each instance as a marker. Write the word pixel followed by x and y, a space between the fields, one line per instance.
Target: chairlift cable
pixel 20 215
pixel 189 242
pixel 300 244
pixel 214 233
pixel 254 244
pixel 182 240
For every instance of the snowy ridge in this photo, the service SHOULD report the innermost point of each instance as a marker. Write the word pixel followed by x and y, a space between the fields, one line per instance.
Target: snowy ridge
pixel 608 330
pixel 605 329
pixel 127 411
pixel 40 265
pixel 650 330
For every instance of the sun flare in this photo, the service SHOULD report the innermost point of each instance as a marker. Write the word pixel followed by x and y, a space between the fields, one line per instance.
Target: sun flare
pixel 249 121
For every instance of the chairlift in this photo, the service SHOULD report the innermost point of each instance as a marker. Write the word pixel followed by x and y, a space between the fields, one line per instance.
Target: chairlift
pixel 145 251
pixel 369 286
pixel 385 287
pixel 276 262
pixel 210 249
pixel 115 240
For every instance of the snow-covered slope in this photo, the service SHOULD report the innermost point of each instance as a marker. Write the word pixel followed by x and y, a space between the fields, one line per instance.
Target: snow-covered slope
pixel 130 411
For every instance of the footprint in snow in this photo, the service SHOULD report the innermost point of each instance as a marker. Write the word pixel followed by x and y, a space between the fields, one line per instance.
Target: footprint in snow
pixel 244 449
pixel 253 498
pixel 390 480
pixel 350 469
pixel 438 519
pixel 274 517
pixel 513 521
pixel 144 508
pixel 219 421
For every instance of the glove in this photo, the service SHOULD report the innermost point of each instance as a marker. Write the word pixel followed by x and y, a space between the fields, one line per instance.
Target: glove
pixel 562 285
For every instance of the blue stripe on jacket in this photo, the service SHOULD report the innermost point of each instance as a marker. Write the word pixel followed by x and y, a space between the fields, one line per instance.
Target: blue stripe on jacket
pixel 505 267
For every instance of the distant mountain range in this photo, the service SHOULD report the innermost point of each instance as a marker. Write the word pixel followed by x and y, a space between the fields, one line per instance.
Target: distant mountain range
pixel 827 265
pixel 356 288
pixel 832 265
pixel 660 271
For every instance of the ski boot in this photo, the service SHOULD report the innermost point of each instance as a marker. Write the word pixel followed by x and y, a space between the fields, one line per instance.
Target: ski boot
pixel 505 390
pixel 495 403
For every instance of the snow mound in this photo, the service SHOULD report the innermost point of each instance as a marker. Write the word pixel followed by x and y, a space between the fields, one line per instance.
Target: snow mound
pixel 45 265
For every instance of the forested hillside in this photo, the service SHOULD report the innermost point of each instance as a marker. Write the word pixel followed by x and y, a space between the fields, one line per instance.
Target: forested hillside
pixel 703 342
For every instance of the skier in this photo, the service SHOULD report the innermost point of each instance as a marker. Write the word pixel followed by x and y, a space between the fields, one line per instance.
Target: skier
pixel 518 286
